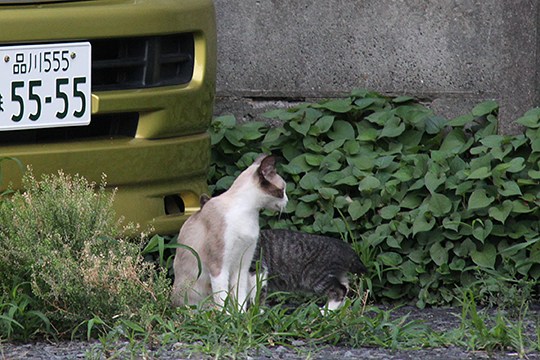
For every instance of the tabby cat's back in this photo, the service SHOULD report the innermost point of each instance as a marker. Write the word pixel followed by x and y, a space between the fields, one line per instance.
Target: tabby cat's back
pixel 302 262
pixel 290 244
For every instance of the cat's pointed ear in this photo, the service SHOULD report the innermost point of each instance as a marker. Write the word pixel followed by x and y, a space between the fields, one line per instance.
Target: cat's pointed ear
pixel 259 159
pixel 268 167
pixel 203 199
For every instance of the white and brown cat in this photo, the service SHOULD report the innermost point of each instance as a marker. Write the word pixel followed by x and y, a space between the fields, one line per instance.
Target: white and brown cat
pixel 224 233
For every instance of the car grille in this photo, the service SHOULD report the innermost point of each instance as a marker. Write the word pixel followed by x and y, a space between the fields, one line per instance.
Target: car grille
pixel 142 62
pixel 107 126
pixel 118 64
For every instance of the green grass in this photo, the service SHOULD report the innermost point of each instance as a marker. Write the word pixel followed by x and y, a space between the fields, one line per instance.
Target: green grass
pixel 227 333
pixel 481 330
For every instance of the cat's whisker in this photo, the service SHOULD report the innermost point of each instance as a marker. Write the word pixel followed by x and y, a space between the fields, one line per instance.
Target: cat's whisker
pixel 281 212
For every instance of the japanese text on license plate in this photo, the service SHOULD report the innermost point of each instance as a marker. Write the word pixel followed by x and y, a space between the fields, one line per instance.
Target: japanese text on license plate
pixel 45 85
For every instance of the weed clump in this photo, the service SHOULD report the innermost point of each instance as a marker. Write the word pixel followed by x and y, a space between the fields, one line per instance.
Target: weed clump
pixel 430 204
pixel 62 238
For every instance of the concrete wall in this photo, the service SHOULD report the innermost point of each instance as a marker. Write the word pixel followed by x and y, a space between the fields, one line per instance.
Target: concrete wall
pixel 452 54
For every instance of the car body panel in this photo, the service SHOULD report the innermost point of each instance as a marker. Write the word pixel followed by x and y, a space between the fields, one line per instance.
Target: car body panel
pixel 168 154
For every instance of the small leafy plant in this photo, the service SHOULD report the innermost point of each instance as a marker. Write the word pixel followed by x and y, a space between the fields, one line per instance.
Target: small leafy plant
pixel 433 204
pixel 61 237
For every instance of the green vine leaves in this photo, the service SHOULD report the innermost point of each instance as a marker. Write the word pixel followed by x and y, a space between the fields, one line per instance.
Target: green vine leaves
pixel 427 202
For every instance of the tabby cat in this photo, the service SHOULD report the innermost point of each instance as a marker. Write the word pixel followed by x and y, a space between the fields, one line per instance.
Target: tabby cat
pixel 301 262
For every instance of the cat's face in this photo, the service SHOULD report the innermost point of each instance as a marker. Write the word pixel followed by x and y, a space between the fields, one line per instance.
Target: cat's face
pixel 260 182
pixel 271 184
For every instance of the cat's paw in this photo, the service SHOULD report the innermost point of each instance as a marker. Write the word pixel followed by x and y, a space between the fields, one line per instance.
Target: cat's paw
pixel 332 305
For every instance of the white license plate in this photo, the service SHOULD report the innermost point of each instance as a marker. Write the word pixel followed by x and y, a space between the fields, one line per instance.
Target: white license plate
pixel 43 86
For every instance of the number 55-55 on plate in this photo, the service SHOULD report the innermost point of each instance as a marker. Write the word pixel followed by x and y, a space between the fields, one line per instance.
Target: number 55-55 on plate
pixel 45 85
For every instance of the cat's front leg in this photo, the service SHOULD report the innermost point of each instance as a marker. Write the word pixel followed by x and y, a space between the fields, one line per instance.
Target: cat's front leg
pixel 220 287
pixel 239 288
pixel 333 304
pixel 243 291
pixel 336 294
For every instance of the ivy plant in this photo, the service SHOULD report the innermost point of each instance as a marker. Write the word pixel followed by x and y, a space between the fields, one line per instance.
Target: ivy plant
pixel 431 204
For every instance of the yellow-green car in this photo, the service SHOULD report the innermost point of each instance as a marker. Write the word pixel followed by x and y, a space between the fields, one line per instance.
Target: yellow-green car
pixel 117 87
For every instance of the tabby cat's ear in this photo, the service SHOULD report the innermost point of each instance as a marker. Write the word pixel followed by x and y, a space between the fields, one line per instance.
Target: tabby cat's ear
pixel 203 199
pixel 268 167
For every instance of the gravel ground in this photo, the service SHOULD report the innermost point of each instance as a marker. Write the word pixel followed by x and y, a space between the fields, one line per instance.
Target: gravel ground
pixel 72 350
pixel 438 319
